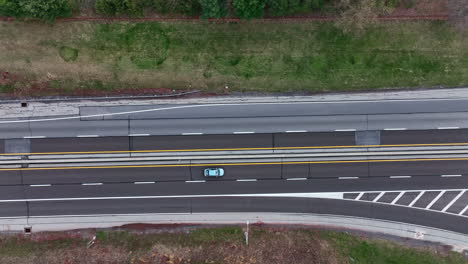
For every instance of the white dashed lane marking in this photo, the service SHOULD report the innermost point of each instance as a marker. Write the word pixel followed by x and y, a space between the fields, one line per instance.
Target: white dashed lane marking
pixel 87 136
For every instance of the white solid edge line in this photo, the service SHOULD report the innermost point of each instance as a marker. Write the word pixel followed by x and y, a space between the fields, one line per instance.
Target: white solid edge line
pixel 296 131
pixel 463 211
pixel 397 198
pixel 192 133
pixel 40 185
pixel 395 129
pixel 416 198
pixel 448 128
pixel 244 132
pixel 195 181
pixel 92 183
pixel 138 135
pixel 345 130
pixel 450 175
pixel 148 182
pixel 34 137
pixel 329 195
pixel 246 180
pixel 296 179
pixel 347 178
pixel 85 136
pixel 435 199
pixel 454 200
pixel 400 177
pixel 378 197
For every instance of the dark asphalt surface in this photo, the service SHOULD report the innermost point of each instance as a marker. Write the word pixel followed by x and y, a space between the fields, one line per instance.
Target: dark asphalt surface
pixel 421 169
pixel 239 141
pixel 274 110
pixel 225 204
pixel 221 122
pixel 259 118
pixel 231 187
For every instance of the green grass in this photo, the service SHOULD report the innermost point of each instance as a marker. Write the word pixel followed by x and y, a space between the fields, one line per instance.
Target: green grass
pixel 217 245
pixel 68 54
pixel 265 57
pixel 195 237
pixel 361 251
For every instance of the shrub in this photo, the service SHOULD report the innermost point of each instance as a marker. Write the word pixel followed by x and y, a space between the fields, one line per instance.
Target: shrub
pixel 186 7
pixel 68 54
pixel 248 9
pixel 212 8
pixel 283 7
pixel 119 7
pixel 40 9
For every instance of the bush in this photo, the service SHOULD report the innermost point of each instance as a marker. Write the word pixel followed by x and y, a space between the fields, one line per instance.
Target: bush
pixel 212 8
pixel 119 7
pixel 248 9
pixel 41 9
pixel 186 7
pixel 68 54
pixel 283 7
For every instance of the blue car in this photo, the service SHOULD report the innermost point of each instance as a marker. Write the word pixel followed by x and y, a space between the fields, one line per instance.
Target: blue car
pixel 213 172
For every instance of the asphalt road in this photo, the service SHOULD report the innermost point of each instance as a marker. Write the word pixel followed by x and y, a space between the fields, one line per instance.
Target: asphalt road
pixel 267 140
pixel 234 118
pixel 428 196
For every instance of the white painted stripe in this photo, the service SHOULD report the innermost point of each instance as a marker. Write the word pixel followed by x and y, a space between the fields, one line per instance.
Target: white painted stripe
pixel 395 129
pixel 148 182
pixel 40 185
pixel 435 199
pixel 378 197
pixel 348 178
pixel 244 132
pixel 192 133
pixel 296 179
pixel 448 128
pixel 86 136
pixel 246 180
pixel 196 181
pixel 92 183
pixel 296 131
pixel 397 198
pixel 464 210
pixel 345 130
pixel 453 201
pixel 138 135
pixel 359 196
pixel 329 195
pixel 34 137
pixel 417 198
pixel 400 177
pixel 451 175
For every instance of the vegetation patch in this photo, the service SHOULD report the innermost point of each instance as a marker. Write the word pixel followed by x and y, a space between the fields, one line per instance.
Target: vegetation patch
pixel 246 56
pixel 68 54
pixel 224 245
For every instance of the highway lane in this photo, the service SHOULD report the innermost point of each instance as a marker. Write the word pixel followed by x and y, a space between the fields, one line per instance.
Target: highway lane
pixel 91 144
pixel 275 109
pixel 271 118
pixel 8 192
pixel 454 168
pixel 243 204
pixel 424 136
pixel 267 140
